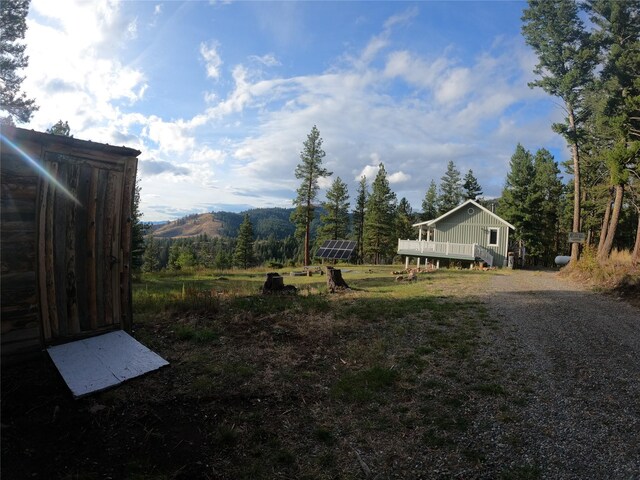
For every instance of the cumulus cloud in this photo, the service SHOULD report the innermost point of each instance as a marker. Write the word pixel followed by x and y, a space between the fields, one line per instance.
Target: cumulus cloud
pixel 158 167
pixel 82 84
pixel 398 177
pixel 171 137
pixel 413 110
pixel 213 62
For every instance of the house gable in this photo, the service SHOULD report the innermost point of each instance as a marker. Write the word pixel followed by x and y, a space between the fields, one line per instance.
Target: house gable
pixel 467 224
pixel 457 213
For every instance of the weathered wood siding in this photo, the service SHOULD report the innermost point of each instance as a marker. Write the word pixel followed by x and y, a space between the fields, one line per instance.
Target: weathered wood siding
pixel 65 264
pixel 18 285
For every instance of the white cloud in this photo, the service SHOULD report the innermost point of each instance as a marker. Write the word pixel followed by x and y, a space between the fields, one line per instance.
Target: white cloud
pixel 206 154
pixel 72 73
pixel 213 62
pixel 444 109
pixel 398 177
pixel 455 86
pixel 268 60
pixel 369 171
pixel 171 137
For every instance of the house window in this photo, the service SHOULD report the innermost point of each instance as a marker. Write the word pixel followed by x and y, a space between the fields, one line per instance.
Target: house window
pixel 493 237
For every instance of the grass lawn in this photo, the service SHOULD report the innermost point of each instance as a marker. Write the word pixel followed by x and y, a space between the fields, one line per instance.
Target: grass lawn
pixel 382 381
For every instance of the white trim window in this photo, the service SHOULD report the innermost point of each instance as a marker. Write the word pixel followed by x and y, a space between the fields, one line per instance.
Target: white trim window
pixel 493 237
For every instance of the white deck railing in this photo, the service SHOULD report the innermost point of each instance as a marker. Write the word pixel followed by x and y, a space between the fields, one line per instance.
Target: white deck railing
pixel 447 249
pixel 484 254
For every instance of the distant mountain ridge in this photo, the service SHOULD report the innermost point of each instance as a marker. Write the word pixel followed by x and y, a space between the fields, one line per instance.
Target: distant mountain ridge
pixel 266 222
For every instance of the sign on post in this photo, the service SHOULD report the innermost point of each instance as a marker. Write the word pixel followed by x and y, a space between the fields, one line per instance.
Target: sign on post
pixel 577 237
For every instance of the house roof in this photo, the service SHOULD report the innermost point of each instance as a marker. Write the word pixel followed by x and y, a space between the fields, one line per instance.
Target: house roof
pixel 452 211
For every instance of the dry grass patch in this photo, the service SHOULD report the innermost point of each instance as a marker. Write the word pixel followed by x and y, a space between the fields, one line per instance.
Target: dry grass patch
pixel 616 276
pixel 386 379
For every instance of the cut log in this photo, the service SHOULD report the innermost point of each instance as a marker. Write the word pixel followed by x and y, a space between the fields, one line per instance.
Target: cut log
pixel 335 281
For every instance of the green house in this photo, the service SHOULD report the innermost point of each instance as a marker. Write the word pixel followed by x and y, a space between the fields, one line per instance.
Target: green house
pixel 468 232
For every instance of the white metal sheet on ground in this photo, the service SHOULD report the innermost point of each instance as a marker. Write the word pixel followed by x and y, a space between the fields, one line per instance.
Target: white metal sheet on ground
pixel 96 363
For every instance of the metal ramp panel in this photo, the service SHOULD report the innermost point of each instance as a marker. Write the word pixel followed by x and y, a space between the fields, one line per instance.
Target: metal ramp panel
pixel 97 363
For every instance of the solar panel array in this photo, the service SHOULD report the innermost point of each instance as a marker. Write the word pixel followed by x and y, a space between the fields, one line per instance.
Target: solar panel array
pixel 336 249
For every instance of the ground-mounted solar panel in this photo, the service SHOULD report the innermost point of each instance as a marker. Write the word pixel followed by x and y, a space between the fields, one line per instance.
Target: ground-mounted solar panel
pixel 336 249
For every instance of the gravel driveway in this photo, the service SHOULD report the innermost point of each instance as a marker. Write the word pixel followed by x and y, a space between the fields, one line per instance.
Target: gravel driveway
pixel 571 358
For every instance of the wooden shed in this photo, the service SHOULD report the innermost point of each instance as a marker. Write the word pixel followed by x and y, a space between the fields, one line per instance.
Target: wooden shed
pixel 66 219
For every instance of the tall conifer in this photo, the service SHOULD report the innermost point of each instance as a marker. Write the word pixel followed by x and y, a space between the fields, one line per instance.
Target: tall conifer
pixel 379 228
pixel 309 170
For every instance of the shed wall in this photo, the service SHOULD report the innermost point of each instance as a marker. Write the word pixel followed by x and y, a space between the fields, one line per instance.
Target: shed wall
pixel 44 254
pixel 18 282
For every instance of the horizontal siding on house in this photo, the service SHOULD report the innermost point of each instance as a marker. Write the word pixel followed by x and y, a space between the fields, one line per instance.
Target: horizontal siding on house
pixel 471 225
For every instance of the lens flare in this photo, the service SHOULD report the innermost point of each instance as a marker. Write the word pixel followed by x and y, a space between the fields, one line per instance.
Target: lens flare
pixel 40 169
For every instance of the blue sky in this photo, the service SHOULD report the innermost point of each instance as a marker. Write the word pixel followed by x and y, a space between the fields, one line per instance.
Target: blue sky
pixel 220 96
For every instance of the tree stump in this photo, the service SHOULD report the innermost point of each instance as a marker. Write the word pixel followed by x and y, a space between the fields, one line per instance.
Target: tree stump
pixel 275 284
pixel 335 280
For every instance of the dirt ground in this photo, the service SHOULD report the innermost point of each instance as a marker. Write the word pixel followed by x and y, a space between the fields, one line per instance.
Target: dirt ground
pixel 440 387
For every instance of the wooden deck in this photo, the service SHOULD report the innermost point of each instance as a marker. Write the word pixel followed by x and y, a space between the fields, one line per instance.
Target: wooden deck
pixel 455 251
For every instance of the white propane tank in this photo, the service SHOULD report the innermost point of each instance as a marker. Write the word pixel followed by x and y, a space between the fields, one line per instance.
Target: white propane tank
pixel 562 260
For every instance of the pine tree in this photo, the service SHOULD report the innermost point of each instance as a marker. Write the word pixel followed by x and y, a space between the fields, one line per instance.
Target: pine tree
pixel 138 230
pixel 379 231
pixel 359 217
pixel 545 203
pixel 243 255
pixel 60 128
pixel 404 220
pixel 514 205
pixel 566 59
pixel 616 115
pixel 471 187
pixel 430 203
pixel 151 257
pixel 13 25
pixel 335 220
pixel 309 171
pixel 450 189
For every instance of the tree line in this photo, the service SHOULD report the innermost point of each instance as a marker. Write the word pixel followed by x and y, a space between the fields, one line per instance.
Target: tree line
pixel 375 221
pixel 595 73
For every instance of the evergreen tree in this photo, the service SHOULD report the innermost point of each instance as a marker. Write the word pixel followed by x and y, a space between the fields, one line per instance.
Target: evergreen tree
pixel 359 217
pixel 151 257
pixel 13 25
pixel 545 203
pixel 450 189
pixel 514 205
pixel 60 128
pixel 430 203
pixel 243 256
pixel 616 113
pixel 471 187
pixel 379 231
pixel 138 231
pixel 404 220
pixel 309 171
pixel 223 260
pixel 566 59
pixel 335 220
